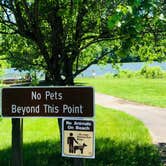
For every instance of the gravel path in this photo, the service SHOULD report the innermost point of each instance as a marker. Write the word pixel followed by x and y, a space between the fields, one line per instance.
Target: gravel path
pixel 153 117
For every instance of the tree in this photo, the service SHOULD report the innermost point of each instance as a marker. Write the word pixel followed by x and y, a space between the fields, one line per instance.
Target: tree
pixel 65 37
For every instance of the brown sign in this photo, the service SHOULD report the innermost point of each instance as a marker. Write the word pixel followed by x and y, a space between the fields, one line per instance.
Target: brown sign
pixel 78 138
pixel 52 101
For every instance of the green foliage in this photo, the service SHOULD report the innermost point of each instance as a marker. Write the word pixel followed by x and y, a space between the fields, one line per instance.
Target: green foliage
pixel 21 53
pixel 116 20
pixel 34 79
pixel 54 34
pixel 125 74
pixel 3 65
pixel 1 71
pixel 150 51
pixel 146 72
pixel 132 21
pixel 108 75
pixel 152 72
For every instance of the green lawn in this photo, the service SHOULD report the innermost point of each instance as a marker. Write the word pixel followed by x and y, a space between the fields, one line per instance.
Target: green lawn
pixel 121 140
pixel 147 91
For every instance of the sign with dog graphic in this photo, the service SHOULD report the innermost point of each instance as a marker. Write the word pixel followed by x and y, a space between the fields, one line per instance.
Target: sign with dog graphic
pixel 78 138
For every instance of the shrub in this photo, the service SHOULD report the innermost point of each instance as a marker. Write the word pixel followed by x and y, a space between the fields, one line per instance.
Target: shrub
pixel 152 72
pixel 125 74
pixel 108 75
pixel 145 72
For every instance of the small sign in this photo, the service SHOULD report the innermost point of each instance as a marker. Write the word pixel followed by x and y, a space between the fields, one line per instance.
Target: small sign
pixel 48 102
pixel 78 138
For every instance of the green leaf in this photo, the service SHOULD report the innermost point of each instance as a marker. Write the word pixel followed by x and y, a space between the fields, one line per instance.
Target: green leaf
pixel 130 10
pixel 113 20
pixel 137 2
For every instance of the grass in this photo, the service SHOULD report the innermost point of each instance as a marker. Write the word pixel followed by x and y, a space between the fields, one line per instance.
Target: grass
pixel 121 140
pixel 146 91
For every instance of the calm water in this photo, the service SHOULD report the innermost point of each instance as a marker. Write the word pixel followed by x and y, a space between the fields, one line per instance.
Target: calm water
pixel 12 73
pixel 97 69
pixel 100 70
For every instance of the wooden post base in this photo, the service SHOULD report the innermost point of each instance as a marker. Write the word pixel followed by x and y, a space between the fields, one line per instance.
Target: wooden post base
pixel 17 142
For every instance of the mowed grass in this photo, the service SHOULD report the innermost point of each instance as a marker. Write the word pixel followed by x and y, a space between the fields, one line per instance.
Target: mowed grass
pixel 146 91
pixel 121 140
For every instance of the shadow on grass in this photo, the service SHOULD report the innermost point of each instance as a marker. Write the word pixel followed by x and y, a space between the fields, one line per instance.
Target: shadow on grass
pixel 108 153
pixel 81 83
pixel 162 149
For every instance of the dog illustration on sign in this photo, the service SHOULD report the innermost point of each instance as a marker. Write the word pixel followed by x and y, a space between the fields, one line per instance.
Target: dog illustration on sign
pixel 80 147
pixel 72 148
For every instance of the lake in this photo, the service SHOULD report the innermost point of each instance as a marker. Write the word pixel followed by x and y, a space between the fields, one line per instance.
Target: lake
pixel 97 69
pixel 12 73
pixel 103 69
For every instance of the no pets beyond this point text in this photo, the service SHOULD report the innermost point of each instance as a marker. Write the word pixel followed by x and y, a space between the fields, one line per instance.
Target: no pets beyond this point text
pixel 56 102
pixel 47 107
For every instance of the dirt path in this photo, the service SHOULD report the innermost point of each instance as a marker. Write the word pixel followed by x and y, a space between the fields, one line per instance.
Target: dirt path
pixel 153 117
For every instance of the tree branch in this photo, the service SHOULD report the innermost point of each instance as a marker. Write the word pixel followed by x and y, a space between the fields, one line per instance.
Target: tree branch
pixel 22 60
pixel 6 13
pixel 81 13
pixel 8 33
pixel 27 12
pixel 89 37
pixel 36 11
pixel 4 5
pixel 79 29
pixel 98 39
pixel 21 23
pixel 29 30
pixel 7 21
pixel 8 24
pixel 91 63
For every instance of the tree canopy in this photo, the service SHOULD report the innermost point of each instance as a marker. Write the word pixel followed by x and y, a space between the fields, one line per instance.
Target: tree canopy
pixel 65 37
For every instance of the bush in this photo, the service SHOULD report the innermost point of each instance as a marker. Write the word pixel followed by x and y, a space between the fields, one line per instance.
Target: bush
pixel 108 75
pixel 152 72
pixel 145 72
pixel 125 74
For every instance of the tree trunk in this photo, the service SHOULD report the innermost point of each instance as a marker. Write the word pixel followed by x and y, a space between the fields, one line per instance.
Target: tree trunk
pixel 60 129
pixel 17 142
pixel 69 80
pixel 78 162
pixel 68 69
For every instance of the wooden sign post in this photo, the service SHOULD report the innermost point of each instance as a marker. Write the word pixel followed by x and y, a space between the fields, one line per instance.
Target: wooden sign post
pixel 17 142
